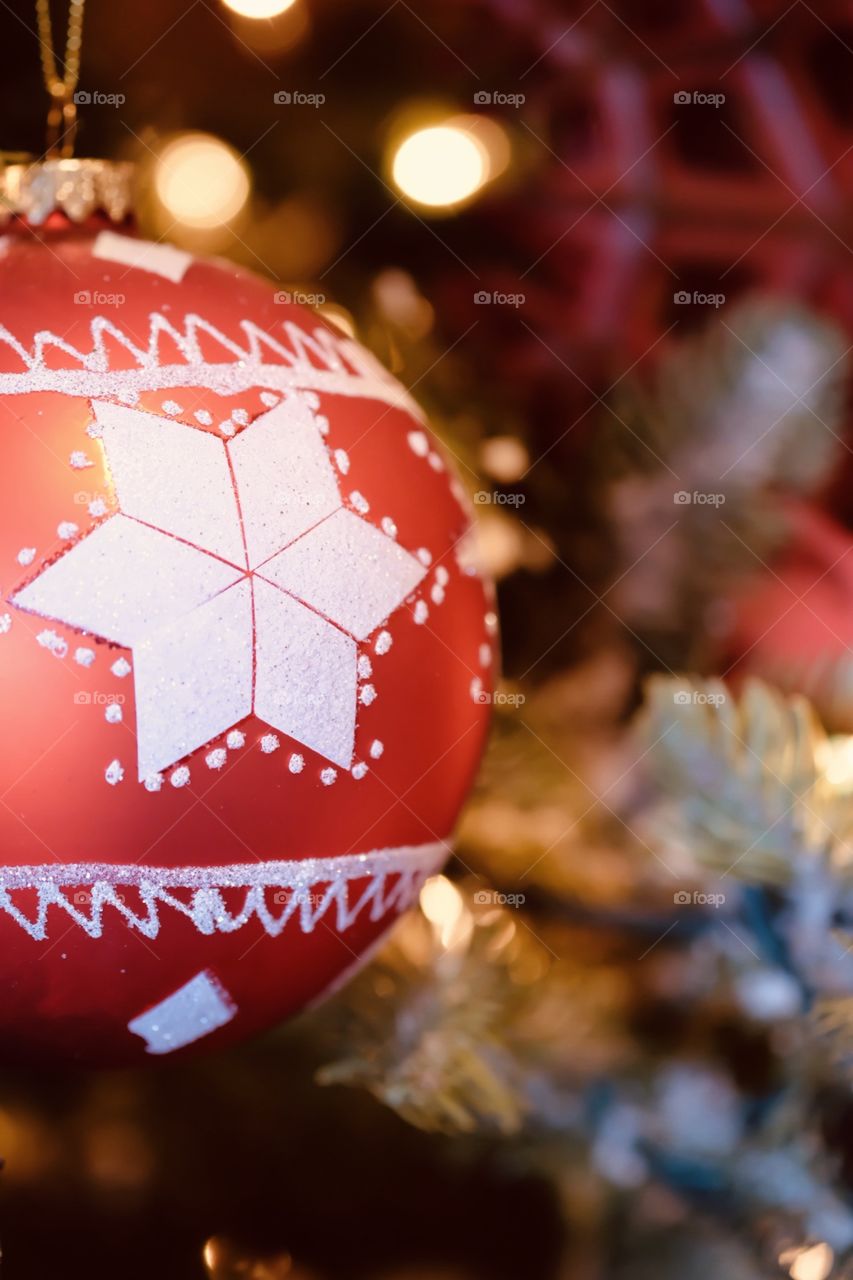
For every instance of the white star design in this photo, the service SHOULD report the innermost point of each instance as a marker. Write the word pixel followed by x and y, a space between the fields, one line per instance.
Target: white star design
pixel 236 576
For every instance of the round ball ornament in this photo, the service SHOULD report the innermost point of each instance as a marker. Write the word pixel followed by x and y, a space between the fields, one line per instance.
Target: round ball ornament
pixel 245 653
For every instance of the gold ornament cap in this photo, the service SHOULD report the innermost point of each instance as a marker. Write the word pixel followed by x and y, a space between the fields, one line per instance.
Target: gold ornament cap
pixel 33 189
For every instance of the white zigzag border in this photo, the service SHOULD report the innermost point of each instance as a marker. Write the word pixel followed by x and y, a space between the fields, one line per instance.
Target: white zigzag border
pixel 314 886
pixel 349 369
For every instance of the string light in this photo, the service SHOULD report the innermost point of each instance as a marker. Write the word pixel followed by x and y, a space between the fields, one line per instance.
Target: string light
pixel 258 8
pixel 201 181
pixel 444 907
pixel 441 166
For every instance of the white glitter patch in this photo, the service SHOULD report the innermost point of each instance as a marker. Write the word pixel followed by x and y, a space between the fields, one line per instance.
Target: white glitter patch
pixel 67 529
pixel 54 643
pixel 359 770
pixel 5 623
pixel 442 577
pixel 389 527
pixel 383 642
pixel 421 612
pixel 284 478
pixel 93 430
pixel 151 460
pixel 418 443
pixel 395 876
pixel 26 556
pixel 342 461
pixel 366 575
pixel 240 416
pixel 114 773
pixel 269 743
pixel 424 556
pixel 80 460
pixel 121 668
pixel 235 739
pixel 296 763
pixel 376 748
pixel 328 777
pixel 204 417
pixel 201 1006
pixel 84 656
pixel 98 508
pixel 435 462
pixel 180 776
pixel 367 694
pixel 437 594
pixel 171 407
pixel 113 713
pixel 227 427
pixel 158 259
pixel 476 690
pixel 154 782
pixel 216 759
pixel 359 501
pixel 365 667
pixel 270 399
pixel 485 655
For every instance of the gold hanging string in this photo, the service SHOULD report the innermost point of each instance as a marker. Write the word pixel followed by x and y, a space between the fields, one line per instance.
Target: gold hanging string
pixel 62 117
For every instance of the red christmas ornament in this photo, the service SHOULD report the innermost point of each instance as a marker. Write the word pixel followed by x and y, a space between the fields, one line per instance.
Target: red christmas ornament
pixel 244 655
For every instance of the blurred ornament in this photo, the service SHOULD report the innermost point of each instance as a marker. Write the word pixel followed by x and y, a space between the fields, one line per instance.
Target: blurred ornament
pixel 236 626
pixel 224 1260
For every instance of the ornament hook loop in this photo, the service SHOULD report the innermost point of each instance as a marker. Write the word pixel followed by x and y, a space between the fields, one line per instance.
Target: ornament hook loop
pixel 61 122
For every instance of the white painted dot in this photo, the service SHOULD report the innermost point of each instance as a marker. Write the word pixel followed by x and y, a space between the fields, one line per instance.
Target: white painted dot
pixel 389 527
pixel 418 443
pixel 5 623
pixel 97 508
pixel 296 763
pixel 227 427
pixel 437 594
pixel 342 461
pixel 435 462
pixel 421 612
pixel 94 430
pixel 180 776
pixel 269 743
pixel 383 642
pixel 121 668
pixel 53 642
pixel 84 656
pixel 80 460
pixel 204 417
pixel 424 556
pixel 376 748
pixel 485 655
pixel 26 555
pixel 476 690
pixel 216 758
pixel 114 773
pixel 240 416
pixel 365 667
pixel 491 621
pixel 153 782
pixel 67 529
pixel 269 398
pixel 235 739
pixel 359 501
pixel 113 713
pixel 359 770
pixel 328 776
pixel 322 424
pixel 442 577
pixel 367 694
pixel 171 407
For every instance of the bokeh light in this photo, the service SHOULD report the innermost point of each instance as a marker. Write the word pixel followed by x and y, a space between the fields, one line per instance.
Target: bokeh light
pixel 201 181
pixel 441 166
pixel 258 8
